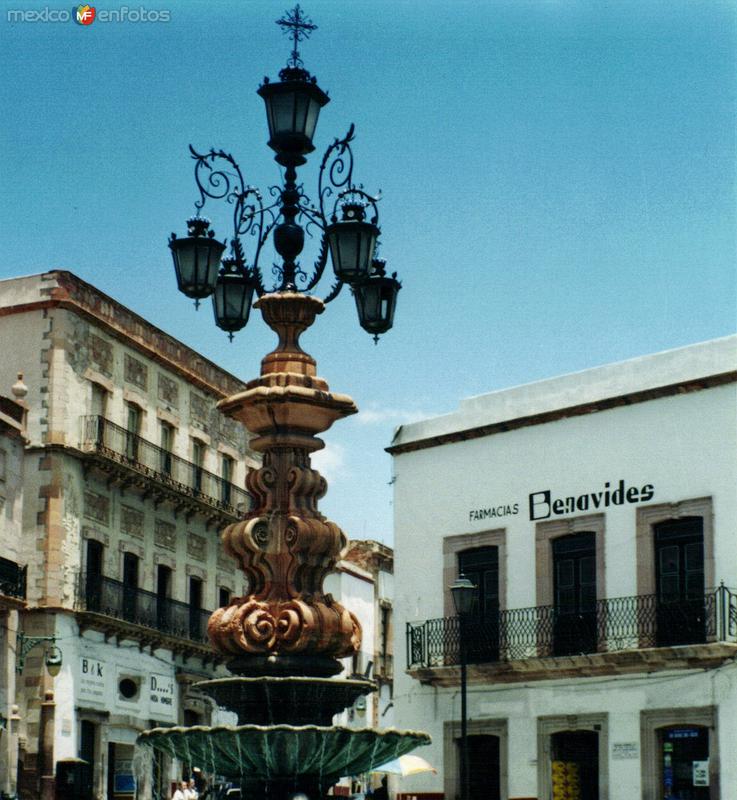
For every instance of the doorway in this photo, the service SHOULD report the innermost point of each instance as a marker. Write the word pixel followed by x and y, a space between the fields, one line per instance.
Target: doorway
pixel 481 627
pixel 93 573
pixel 574 593
pixel 684 761
pixel 679 580
pixel 484 768
pixel 575 765
pixel 121 784
pixel 130 586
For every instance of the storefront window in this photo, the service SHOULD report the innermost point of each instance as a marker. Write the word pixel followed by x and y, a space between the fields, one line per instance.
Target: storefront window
pixel 684 760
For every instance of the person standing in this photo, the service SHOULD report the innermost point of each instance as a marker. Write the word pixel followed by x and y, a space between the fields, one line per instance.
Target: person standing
pixel 381 792
pixel 180 793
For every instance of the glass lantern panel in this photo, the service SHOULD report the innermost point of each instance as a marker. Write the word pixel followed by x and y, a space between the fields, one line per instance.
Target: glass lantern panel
pixel 312 115
pixel 301 109
pixel 207 264
pixel 281 113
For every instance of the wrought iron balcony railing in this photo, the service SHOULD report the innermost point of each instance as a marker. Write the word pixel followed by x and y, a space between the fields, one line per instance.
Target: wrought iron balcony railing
pixel 120 445
pixel 616 624
pixel 12 579
pixel 112 598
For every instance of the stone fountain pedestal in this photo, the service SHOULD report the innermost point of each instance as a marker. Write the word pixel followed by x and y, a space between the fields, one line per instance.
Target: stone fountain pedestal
pixel 283 641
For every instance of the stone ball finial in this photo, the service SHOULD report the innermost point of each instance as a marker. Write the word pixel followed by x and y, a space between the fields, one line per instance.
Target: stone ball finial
pixel 19 389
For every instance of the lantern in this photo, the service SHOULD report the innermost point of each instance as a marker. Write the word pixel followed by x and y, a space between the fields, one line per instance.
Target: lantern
pixel 376 299
pixel 292 107
pixel 463 593
pixel 231 300
pixel 196 259
pixel 352 241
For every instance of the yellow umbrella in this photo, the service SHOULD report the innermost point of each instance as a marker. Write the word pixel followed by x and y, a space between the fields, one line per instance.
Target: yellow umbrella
pixel 406 765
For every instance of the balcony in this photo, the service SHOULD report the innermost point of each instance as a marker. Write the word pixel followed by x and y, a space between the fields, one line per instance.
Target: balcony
pixel 129 612
pixel 622 634
pixel 135 462
pixel 12 584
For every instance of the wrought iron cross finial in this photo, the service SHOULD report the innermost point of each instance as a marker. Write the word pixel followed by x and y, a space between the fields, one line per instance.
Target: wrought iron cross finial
pixel 299 27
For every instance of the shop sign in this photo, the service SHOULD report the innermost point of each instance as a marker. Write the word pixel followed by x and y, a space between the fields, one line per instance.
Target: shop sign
pixel 701 773
pixel 543 505
pixel 162 691
pixel 493 511
pixel 622 750
pixel 92 678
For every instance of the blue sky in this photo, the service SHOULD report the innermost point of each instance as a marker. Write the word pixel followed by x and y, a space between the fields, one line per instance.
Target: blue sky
pixel 558 182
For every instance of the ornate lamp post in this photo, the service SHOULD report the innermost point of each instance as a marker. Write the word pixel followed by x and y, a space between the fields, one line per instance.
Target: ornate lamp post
pixel 344 214
pixel 464 596
pixel 287 625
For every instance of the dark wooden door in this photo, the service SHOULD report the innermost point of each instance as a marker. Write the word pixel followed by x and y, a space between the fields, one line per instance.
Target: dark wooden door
pixel 574 592
pixel 130 586
pixel 481 627
pixel 679 577
pixel 93 575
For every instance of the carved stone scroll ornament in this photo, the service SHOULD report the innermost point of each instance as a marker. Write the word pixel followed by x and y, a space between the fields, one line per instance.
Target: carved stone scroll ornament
pixel 285 546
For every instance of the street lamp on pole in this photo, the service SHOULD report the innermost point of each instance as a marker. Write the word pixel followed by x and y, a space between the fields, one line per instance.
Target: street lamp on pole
pixel 288 624
pixel 463 593
pixel 345 217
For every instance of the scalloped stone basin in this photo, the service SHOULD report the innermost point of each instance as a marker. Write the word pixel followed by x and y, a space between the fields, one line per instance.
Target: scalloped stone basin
pixel 289 700
pixel 258 754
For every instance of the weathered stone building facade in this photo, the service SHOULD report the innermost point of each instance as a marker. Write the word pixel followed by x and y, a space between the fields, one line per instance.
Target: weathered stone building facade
pixel 130 474
pixel 12 575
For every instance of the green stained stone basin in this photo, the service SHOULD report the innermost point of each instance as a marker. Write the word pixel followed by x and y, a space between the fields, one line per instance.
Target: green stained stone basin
pixel 257 753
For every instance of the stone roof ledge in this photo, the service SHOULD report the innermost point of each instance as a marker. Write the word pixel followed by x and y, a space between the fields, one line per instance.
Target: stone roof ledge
pixel 670 372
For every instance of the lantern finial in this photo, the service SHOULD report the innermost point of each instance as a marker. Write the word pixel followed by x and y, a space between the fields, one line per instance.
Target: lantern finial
pixel 299 27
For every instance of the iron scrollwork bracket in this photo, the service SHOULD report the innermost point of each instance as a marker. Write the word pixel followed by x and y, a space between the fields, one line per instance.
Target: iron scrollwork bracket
pixel 219 177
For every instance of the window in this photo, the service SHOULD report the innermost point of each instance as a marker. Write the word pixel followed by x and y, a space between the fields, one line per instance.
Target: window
pixel 98 409
pixel 223 597
pixel 98 404
pixel 167 445
pixel 574 594
pixel 198 460
pixel 130 586
pixel 481 567
pixel 196 628
pixel 226 471
pixel 679 581
pixel 133 430
pixel 163 593
pixel 93 581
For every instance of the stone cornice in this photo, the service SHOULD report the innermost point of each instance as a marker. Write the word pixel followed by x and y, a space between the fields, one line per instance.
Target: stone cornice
pixel 74 294
pixel 682 387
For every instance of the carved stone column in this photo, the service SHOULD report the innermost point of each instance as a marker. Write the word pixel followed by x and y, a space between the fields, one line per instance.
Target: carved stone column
pixel 287 624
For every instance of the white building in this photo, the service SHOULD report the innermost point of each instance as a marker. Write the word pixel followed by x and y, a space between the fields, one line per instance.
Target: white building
pixel 363 581
pixel 130 474
pixel 596 514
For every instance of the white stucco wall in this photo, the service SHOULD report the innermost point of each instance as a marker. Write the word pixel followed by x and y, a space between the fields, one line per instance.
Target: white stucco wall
pixel 684 446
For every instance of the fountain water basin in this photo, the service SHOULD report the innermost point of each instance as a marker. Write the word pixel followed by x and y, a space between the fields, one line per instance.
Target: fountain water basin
pixel 290 756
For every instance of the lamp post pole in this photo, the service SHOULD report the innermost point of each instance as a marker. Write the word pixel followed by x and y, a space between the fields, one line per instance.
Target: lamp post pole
pixel 464 706
pixel 463 593
pixel 287 625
